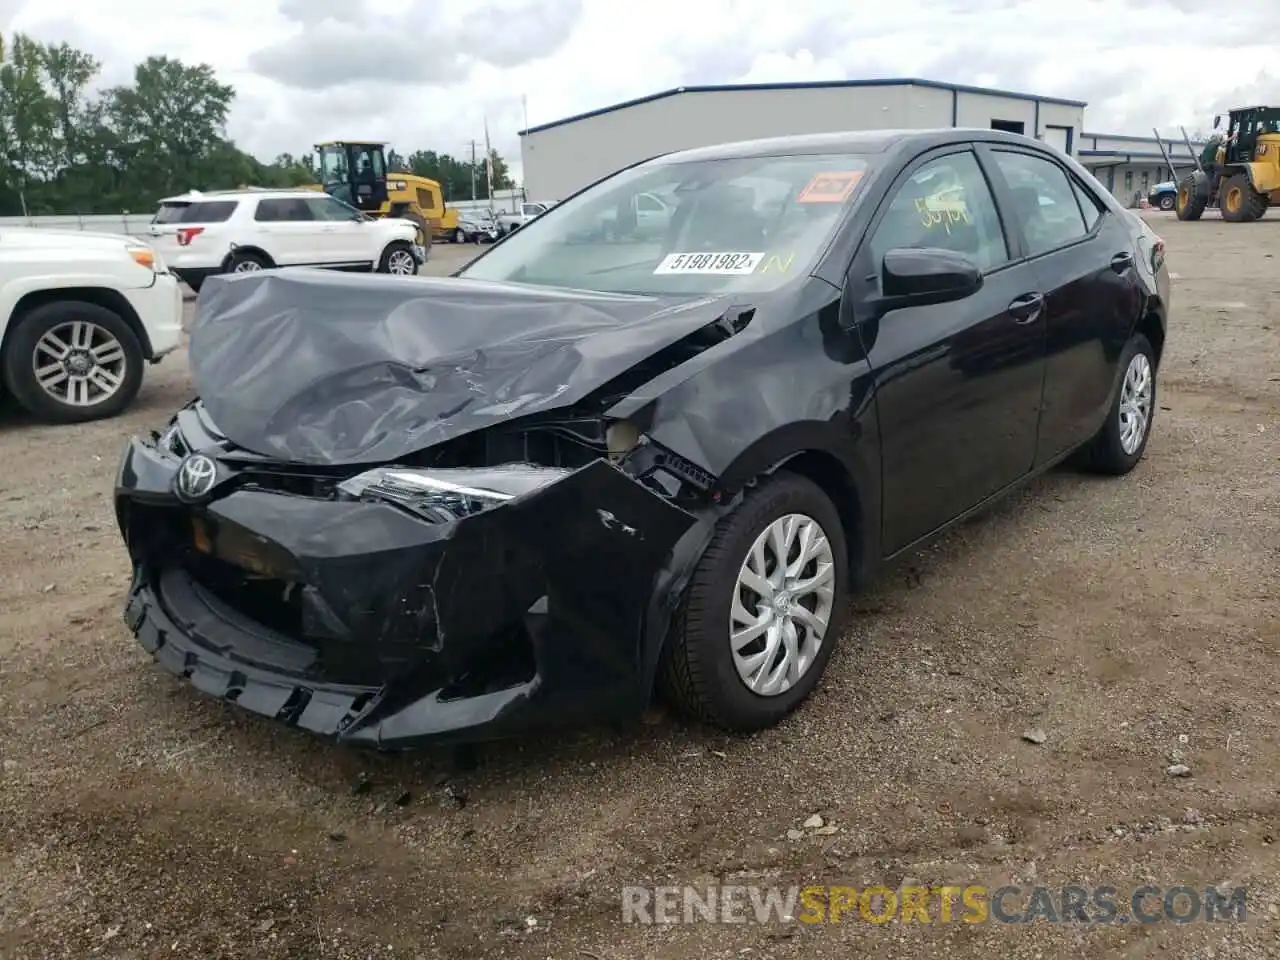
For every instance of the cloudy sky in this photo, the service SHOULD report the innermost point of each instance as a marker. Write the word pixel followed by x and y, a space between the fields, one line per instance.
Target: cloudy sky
pixel 426 73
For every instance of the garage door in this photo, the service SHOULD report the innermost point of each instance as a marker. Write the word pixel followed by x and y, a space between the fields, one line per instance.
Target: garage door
pixel 1057 136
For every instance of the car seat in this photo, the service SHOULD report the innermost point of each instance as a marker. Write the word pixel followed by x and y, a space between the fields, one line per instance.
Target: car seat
pixel 725 219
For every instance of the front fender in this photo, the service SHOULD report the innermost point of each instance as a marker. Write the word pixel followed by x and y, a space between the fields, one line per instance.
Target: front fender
pixel 13 291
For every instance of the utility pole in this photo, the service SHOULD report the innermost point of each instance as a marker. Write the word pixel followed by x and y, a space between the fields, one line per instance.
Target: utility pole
pixel 473 171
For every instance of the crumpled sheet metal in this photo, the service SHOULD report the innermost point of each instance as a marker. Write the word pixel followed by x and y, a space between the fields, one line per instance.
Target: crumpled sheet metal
pixel 321 367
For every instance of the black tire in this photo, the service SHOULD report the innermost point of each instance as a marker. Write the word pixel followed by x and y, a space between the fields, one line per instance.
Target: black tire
pixel 397 250
pixel 1240 203
pixel 235 259
pixel 424 236
pixel 1168 201
pixel 1105 453
pixel 697 674
pixel 1191 199
pixel 459 235
pixel 20 370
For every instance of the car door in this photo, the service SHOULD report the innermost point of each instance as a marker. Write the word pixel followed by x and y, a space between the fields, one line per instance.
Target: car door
pixel 958 384
pixel 289 232
pixel 1083 257
pixel 343 235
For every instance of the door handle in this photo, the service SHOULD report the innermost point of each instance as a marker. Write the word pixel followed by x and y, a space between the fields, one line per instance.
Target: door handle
pixel 1121 262
pixel 1027 308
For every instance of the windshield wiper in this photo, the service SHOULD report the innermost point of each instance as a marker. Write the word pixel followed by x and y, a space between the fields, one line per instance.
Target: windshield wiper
pixel 623 266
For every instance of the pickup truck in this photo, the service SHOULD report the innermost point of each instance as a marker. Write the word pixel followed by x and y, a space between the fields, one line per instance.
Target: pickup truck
pixel 508 222
pixel 1163 195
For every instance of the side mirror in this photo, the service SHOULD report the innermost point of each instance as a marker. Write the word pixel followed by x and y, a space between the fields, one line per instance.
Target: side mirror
pixel 921 276
pixel 1217 121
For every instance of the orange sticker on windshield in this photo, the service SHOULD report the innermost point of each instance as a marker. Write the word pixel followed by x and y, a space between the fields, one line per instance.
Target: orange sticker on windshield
pixel 832 187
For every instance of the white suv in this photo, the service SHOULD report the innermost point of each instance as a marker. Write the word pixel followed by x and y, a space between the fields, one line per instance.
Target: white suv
pixel 202 234
pixel 80 316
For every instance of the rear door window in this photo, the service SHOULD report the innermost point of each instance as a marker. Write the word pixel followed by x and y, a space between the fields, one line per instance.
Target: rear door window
pixel 284 210
pixel 1044 201
pixel 1089 205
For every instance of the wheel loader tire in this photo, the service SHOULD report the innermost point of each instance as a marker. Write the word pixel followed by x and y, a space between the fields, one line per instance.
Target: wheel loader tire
pixel 1240 202
pixel 423 238
pixel 1191 201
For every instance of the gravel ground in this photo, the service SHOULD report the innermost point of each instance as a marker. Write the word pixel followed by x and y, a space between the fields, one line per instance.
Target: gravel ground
pixel 1133 622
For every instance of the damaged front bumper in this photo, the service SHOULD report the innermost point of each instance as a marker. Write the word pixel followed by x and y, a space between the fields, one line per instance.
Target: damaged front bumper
pixel 491 610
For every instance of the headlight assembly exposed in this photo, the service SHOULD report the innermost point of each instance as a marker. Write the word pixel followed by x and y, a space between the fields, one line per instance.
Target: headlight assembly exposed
pixel 450 493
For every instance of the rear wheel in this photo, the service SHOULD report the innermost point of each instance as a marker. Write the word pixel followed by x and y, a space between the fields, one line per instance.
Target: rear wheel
pixel 246 263
pixel 1122 440
pixel 1191 200
pixel 70 362
pixel 459 236
pixel 763 609
pixel 1240 202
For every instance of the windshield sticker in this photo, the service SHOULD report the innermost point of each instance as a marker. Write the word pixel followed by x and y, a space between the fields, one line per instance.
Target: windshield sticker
pixel 937 213
pixel 777 263
pixel 835 186
pixel 722 264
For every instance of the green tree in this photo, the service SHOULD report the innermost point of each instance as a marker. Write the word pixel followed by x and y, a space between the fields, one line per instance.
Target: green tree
pixel 26 122
pixel 501 173
pixel 64 151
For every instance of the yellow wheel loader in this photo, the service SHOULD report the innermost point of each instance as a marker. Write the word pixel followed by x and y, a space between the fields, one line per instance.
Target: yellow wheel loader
pixel 356 173
pixel 1239 172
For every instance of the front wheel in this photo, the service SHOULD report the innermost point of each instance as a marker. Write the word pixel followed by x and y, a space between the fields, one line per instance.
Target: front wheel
pixel 1167 202
pixel 398 259
pixel 1120 443
pixel 1192 199
pixel 763 609
pixel 1240 202
pixel 70 362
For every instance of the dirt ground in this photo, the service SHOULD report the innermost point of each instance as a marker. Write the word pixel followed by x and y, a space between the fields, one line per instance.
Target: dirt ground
pixel 1135 622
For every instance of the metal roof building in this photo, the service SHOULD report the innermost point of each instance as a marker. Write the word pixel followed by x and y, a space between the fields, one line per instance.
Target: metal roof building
pixel 1130 166
pixel 561 157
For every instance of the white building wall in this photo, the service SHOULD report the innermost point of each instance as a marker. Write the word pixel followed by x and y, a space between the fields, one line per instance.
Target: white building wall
pixel 562 159
pixel 1129 166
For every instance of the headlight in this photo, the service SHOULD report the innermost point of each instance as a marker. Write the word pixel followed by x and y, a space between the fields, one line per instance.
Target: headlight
pixel 450 493
pixel 171 441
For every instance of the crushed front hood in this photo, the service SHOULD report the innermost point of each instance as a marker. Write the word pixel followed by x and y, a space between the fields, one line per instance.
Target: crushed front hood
pixel 327 368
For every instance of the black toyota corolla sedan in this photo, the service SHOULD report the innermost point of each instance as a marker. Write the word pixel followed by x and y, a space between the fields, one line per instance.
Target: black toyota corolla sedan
pixel 653 439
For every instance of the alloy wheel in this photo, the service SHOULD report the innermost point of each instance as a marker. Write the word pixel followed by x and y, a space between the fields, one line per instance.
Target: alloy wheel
pixel 782 604
pixel 247 266
pixel 79 363
pixel 1135 403
pixel 400 262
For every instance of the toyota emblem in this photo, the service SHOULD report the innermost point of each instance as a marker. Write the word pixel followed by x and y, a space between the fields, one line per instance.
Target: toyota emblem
pixel 196 477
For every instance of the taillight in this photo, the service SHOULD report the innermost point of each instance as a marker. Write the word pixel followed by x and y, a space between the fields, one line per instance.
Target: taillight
pixel 187 234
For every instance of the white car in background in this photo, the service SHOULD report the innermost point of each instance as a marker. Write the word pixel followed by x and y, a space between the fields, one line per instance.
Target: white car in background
pixel 529 210
pixel 224 231
pixel 81 314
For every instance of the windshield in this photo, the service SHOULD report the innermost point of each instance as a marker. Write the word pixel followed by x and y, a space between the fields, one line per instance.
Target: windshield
pixel 333 164
pixel 701 227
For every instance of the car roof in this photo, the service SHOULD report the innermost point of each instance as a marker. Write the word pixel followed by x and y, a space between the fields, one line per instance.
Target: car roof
pixel 268 193
pixel 849 141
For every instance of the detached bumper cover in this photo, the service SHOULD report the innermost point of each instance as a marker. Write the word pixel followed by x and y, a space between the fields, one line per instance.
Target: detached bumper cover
pixel 389 630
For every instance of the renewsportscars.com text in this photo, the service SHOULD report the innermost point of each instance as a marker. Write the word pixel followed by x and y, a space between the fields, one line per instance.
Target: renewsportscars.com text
pixel 974 903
